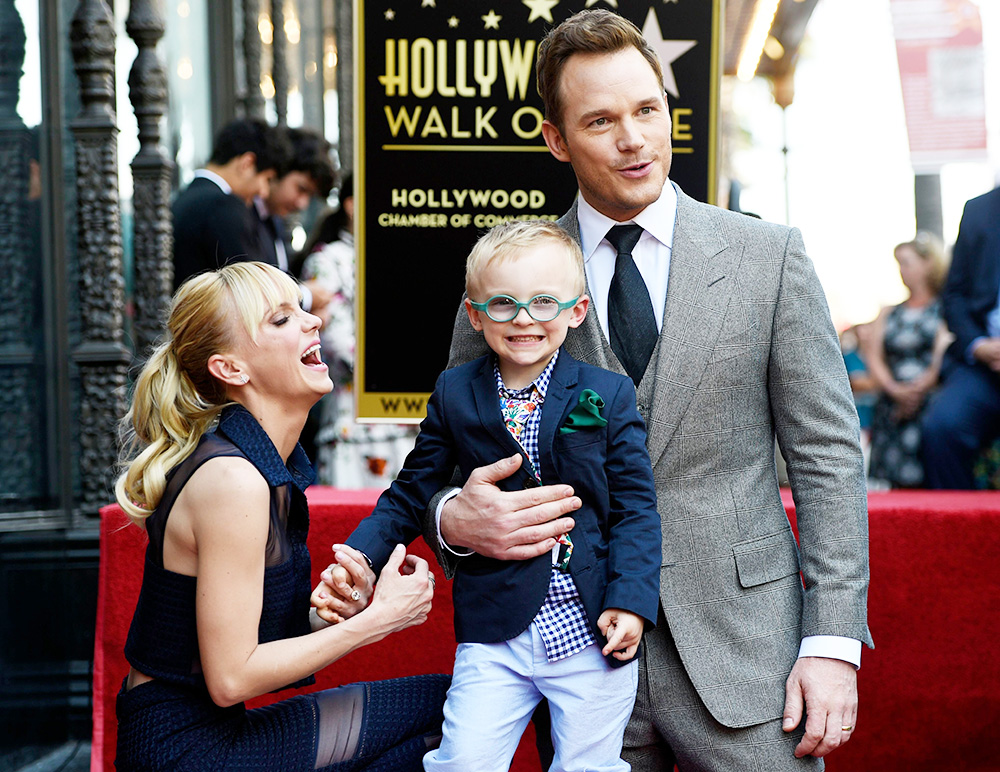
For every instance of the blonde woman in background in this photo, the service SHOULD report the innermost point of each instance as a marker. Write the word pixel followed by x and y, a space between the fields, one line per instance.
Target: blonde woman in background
pixel 903 352
pixel 224 610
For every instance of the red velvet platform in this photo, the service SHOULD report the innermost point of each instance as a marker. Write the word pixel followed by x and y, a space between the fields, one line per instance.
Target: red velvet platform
pixel 930 691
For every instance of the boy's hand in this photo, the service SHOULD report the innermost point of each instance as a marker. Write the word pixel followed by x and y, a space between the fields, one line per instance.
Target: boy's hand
pixel 623 629
pixel 345 586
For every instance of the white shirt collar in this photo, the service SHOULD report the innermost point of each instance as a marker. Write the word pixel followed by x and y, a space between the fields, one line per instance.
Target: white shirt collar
pixel 657 219
pixel 209 175
pixel 261 206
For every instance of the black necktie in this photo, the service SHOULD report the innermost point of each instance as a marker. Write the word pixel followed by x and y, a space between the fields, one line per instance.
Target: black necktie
pixel 630 311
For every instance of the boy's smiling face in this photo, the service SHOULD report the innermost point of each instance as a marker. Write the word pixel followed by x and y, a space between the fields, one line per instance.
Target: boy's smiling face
pixel 523 345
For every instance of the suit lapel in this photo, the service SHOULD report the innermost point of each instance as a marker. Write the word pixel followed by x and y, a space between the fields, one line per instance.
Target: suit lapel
pixel 484 391
pixel 702 271
pixel 565 376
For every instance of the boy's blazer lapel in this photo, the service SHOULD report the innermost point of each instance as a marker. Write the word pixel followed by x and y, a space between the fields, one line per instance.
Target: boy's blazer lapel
pixel 565 376
pixel 484 391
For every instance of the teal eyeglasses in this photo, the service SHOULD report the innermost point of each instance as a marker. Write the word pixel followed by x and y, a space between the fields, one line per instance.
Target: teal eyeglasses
pixel 541 308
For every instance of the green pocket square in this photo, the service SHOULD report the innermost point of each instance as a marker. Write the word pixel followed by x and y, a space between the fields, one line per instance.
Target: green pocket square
pixel 586 414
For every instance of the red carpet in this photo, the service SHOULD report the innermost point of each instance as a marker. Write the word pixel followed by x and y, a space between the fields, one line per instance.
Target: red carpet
pixel 930 691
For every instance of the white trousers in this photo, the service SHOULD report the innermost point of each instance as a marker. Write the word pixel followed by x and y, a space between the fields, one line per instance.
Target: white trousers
pixel 496 687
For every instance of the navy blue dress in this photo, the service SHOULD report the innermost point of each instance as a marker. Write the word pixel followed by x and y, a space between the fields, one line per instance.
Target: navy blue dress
pixel 171 723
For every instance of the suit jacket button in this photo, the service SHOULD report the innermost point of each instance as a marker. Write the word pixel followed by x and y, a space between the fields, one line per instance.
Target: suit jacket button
pixel 531 482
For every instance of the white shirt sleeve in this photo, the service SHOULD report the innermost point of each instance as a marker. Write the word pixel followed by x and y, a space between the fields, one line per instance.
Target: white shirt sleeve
pixel 437 521
pixel 829 646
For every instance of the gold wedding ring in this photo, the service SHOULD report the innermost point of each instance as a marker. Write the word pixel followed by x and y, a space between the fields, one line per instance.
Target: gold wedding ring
pixel 846 728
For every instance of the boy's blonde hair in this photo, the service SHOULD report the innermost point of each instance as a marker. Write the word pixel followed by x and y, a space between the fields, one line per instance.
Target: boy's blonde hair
pixel 176 398
pixel 506 240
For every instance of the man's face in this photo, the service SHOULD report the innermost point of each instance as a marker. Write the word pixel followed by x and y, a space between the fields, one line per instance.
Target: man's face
pixel 290 194
pixel 616 131
pixel 248 181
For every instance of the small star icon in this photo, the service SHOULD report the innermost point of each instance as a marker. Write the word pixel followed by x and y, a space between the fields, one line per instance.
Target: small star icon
pixel 491 20
pixel 668 50
pixel 540 9
pixel 453 22
pixel 389 14
pixel 431 3
pixel 612 3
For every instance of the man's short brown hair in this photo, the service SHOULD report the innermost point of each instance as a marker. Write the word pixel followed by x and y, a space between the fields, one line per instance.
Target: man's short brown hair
pixel 596 31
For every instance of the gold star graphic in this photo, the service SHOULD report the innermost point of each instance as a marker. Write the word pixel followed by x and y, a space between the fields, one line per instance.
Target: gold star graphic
pixel 453 22
pixel 540 9
pixel 491 20
pixel 389 14
pixel 667 50
pixel 612 3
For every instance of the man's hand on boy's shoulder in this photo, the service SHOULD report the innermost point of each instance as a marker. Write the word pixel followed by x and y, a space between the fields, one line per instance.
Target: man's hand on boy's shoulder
pixel 507 525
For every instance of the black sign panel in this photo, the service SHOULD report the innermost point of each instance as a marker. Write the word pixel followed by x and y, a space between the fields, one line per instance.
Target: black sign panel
pixel 449 143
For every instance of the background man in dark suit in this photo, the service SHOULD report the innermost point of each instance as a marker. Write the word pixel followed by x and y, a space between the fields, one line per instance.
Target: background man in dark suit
pixel 723 326
pixel 306 174
pixel 212 221
pixel 964 415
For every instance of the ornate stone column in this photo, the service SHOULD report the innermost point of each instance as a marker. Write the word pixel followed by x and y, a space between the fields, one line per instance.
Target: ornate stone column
pixel 279 63
pixel 151 170
pixel 20 428
pixel 253 100
pixel 101 357
pixel 344 25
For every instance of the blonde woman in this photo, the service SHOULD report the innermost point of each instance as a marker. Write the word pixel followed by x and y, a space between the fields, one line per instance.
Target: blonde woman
pixel 903 353
pixel 224 612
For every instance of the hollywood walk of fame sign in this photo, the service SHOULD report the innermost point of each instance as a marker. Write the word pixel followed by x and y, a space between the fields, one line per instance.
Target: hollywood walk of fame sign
pixel 448 139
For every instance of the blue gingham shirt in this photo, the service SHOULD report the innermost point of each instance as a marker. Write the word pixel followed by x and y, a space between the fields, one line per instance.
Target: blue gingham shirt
pixel 561 621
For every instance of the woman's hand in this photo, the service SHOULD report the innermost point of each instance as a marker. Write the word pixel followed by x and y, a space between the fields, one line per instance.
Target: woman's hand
pixel 345 586
pixel 403 594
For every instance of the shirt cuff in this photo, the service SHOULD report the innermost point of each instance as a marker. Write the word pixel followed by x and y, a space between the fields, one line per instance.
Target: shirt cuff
pixel 437 523
pixel 832 647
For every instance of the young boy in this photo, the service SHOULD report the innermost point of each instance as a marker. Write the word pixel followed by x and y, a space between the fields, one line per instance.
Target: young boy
pixel 532 629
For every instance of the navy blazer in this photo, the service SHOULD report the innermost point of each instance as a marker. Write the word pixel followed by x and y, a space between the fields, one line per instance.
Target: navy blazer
pixel 211 228
pixel 616 541
pixel 974 278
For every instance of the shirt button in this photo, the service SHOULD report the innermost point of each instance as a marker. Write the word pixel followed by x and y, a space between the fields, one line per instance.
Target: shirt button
pixel 531 482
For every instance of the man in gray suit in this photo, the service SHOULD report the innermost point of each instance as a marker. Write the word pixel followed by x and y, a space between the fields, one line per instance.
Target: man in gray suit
pixel 723 325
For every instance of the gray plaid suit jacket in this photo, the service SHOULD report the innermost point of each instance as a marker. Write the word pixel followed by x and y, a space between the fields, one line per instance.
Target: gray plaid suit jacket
pixel 747 353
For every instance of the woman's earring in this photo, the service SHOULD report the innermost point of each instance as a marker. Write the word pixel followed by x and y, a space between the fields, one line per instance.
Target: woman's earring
pixel 244 377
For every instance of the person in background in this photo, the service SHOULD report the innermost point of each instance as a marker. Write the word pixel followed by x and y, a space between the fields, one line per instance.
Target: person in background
pixel 863 385
pixel 903 353
pixel 308 173
pixel 350 454
pixel 223 613
pixel 964 416
pixel 212 221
